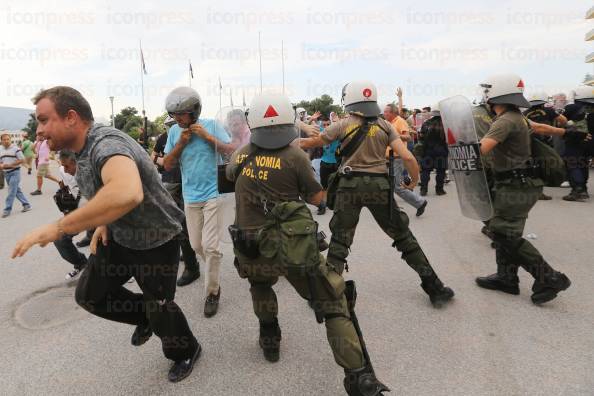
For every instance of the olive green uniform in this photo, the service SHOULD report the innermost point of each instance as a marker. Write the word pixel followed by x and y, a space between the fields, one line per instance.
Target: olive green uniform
pixel 286 175
pixel 367 185
pixel 514 197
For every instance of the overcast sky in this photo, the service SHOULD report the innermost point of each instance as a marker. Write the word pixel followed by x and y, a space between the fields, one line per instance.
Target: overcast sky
pixel 432 49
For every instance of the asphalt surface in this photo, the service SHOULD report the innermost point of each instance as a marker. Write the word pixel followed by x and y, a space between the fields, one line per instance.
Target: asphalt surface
pixel 484 343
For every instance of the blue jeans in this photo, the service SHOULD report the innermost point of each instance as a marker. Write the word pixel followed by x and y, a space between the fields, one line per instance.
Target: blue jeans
pixel 13 179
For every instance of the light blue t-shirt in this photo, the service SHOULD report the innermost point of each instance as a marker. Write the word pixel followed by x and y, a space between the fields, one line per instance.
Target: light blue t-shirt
pixel 329 155
pixel 198 162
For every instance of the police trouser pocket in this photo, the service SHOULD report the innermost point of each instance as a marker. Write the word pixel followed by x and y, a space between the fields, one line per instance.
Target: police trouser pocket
pixel 332 282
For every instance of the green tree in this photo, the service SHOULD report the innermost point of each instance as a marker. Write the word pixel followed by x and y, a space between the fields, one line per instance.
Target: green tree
pixel 324 104
pixel 158 126
pixel 127 118
pixel 31 127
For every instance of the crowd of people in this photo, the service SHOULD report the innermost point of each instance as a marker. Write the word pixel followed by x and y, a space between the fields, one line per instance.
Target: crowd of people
pixel 142 210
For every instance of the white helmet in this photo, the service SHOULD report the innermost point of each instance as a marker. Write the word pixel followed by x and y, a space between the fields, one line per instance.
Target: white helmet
pixel 584 94
pixel 538 98
pixel 169 121
pixel 271 119
pixel 435 112
pixel 360 98
pixel 505 89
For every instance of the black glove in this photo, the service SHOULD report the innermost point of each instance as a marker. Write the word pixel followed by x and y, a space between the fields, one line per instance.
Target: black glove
pixel 65 201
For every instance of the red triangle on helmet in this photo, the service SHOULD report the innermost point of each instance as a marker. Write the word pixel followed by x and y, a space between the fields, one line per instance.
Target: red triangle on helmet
pixel 451 138
pixel 270 112
pixel 520 84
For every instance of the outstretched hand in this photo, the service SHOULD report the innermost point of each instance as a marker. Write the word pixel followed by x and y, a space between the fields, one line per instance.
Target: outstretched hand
pixel 40 236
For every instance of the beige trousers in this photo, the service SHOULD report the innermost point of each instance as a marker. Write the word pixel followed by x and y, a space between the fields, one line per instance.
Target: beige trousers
pixel 203 232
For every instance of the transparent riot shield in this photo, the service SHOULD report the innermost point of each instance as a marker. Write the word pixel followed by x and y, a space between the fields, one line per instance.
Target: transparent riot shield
pixel 465 158
pixel 232 128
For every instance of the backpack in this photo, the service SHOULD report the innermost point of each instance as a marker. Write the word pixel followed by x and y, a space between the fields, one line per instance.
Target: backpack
pixel 546 163
pixel 289 236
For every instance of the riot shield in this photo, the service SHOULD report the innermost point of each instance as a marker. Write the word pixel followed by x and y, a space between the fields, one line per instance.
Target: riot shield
pixel 465 158
pixel 231 125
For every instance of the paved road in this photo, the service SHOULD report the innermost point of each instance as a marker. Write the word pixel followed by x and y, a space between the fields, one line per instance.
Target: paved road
pixel 484 343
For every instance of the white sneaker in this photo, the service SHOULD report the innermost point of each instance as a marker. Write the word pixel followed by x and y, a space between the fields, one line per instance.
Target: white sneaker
pixel 72 274
pixel 565 184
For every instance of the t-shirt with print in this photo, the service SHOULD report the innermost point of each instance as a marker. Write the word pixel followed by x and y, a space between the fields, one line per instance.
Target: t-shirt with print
pixel 157 219
pixel 513 151
pixel 276 175
pixel 370 155
pixel 198 162
pixel 9 156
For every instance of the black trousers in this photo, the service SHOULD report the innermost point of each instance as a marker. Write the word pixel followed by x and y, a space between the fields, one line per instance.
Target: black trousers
pixel 100 291
pixel 190 259
pixel 69 252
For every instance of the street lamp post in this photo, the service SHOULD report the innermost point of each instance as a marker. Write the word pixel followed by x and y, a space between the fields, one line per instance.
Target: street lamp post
pixel 112 117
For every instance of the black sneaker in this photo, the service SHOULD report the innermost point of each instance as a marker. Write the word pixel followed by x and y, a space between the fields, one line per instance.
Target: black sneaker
pixel 421 209
pixel 83 242
pixel 321 210
pixel 183 368
pixel 141 334
pixel 423 192
pixel 188 276
pixel 440 191
pixel 36 192
pixel 498 282
pixel 73 274
pixel 548 290
pixel 211 305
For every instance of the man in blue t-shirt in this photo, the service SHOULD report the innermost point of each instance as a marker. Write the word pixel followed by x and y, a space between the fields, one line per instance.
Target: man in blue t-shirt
pixel 196 144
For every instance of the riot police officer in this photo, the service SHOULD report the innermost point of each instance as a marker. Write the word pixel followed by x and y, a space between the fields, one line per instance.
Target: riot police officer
pixel 435 152
pixel 538 112
pixel 579 151
pixel 516 192
pixel 272 178
pixel 362 180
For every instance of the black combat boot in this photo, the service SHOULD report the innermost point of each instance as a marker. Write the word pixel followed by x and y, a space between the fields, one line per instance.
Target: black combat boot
pixel 544 291
pixel 438 293
pixel 577 194
pixel 270 338
pixel 423 191
pixel 362 382
pixel 188 276
pixel 506 279
pixel 506 284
